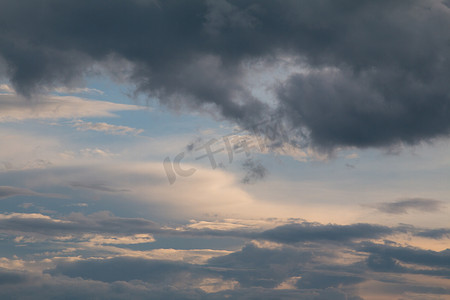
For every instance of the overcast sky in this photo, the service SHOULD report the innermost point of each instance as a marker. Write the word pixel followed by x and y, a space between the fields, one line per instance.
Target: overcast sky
pixel 225 149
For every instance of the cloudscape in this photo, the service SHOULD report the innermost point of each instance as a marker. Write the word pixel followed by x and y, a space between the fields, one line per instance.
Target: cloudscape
pixel 225 149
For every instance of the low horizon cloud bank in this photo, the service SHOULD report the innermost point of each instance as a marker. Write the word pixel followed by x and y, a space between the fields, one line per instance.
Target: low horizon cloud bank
pixel 289 261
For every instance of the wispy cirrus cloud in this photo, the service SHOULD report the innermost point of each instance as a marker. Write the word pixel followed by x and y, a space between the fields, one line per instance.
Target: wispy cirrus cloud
pixel 10 191
pixel 98 186
pixel 106 128
pixel 404 206
pixel 15 108
pixel 68 90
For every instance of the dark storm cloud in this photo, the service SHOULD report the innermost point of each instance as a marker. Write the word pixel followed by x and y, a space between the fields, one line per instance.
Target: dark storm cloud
pixel 376 71
pixel 173 46
pixel 406 205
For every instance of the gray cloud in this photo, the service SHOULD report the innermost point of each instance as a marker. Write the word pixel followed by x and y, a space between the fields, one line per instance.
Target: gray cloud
pixel 57 287
pixel 294 233
pixel 303 294
pixel 374 73
pixel 258 267
pixel 127 269
pixel 253 267
pixel 435 233
pixel 261 270
pixel 62 287
pixel 12 277
pixel 10 191
pixel 104 222
pixel 322 280
pixel 406 205
pixel 97 186
pixel 75 223
pixel 315 260
pixel 386 258
pixel 255 171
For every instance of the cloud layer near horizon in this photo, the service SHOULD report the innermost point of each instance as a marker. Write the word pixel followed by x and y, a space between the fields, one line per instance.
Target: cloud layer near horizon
pixel 297 260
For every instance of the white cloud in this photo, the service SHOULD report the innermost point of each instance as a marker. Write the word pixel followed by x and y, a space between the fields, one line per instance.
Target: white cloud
pixel 15 108
pixel 241 224
pixel 32 216
pixel 352 156
pixel 107 128
pixel 4 88
pixel 38 152
pixel 119 240
pixel 146 182
pixel 289 284
pixel 214 285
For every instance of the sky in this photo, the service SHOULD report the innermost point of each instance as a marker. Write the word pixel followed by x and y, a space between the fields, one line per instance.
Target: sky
pixel 226 149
